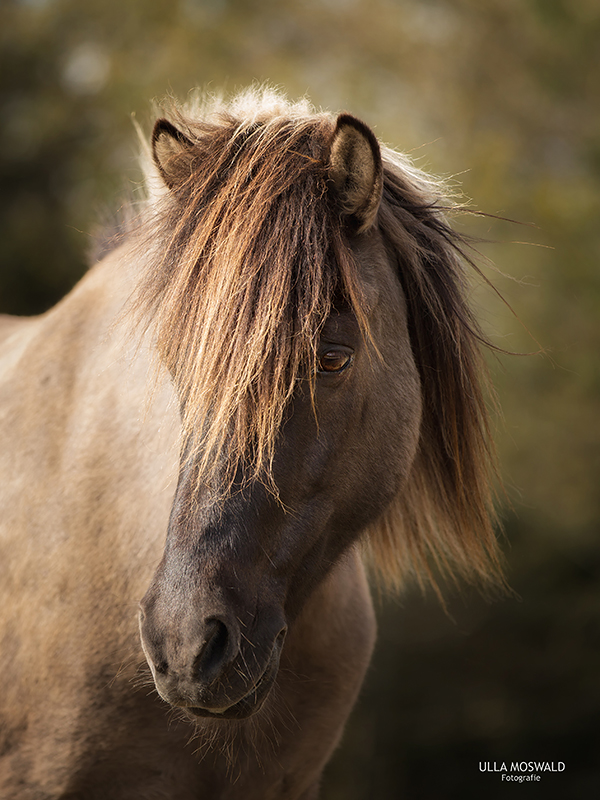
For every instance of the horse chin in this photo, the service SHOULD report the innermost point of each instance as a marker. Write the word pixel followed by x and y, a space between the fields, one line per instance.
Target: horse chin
pixel 251 702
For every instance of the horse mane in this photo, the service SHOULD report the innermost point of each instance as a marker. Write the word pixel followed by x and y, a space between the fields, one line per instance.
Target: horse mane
pixel 442 522
pixel 249 256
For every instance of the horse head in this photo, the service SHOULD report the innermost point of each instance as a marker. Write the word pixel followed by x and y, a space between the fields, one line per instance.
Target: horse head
pixel 302 398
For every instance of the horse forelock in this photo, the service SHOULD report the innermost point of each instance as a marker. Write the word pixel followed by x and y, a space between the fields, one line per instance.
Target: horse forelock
pixel 251 256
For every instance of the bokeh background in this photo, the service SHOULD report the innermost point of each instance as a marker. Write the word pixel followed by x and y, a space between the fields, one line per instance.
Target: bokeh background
pixel 503 98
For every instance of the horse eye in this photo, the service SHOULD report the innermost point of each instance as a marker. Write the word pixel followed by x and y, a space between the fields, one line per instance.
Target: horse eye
pixel 334 360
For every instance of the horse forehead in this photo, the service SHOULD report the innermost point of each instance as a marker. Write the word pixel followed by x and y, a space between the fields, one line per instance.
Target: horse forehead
pixel 341 326
pixel 375 267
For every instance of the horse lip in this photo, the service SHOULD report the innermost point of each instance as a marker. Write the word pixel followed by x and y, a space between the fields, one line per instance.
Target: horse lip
pixel 252 701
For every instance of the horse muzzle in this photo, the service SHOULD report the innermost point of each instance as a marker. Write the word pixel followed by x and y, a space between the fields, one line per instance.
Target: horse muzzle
pixel 251 702
pixel 217 671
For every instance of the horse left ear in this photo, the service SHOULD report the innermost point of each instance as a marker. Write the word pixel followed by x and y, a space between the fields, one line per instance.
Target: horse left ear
pixel 356 171
pixel 173 153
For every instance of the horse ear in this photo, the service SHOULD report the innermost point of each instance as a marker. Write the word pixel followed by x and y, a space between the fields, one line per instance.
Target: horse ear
pixel 173 153
pixel 356 171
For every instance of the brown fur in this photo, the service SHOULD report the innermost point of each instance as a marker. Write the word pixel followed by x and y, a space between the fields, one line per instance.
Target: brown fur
pixel 253 212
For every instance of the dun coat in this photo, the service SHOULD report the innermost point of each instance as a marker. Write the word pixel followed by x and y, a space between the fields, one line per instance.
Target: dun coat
pixel 271 376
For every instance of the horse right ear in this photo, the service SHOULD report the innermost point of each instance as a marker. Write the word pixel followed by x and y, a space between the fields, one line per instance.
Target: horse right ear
pixel 356 172
pixel 173 154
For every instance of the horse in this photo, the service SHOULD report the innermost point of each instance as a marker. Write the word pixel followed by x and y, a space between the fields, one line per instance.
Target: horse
pixel 269 383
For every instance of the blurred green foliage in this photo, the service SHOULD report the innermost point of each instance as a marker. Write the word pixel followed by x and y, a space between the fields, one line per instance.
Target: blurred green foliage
pixel 504 96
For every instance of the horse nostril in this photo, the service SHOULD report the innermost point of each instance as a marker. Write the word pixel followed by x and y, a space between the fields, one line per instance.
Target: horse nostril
pixel 213 655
